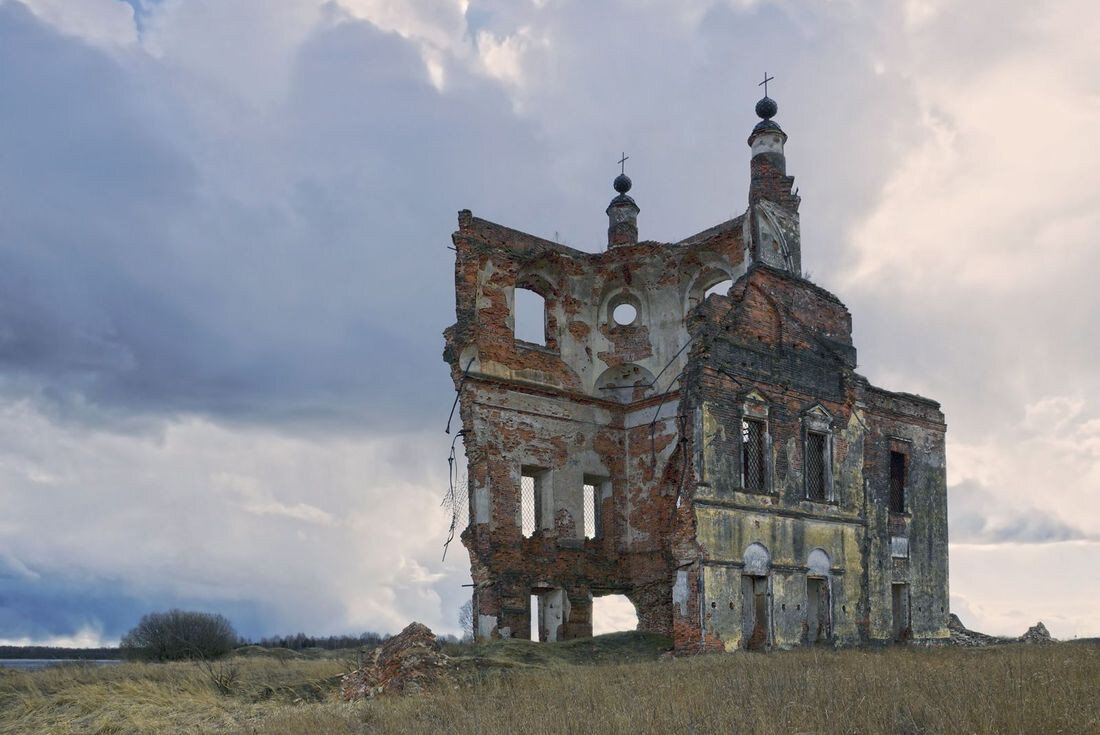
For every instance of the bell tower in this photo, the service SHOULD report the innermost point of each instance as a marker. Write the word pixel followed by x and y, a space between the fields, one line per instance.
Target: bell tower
pixel 772 228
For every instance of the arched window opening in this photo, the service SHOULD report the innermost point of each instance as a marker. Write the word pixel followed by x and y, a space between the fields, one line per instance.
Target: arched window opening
pixel 715 277
pixel 721 288
pixel 613 614
pixel 529 314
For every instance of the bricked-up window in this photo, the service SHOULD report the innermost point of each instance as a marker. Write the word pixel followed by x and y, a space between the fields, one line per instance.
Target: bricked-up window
pixel 591 509
pixel 898 469
pixel 529 316
pixel 816 464
pixel 752 454
pixel 529 503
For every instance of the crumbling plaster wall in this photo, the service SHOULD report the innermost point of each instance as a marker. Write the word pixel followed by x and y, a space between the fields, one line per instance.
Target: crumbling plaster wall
pixel 550 407
pixel 779 349
pixel 914 426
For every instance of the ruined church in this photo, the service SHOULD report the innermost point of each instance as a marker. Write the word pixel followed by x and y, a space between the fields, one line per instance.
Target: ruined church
pixel 714 457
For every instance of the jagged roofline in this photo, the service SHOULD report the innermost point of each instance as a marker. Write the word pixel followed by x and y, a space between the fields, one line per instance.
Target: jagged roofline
pixel 515 238
pixel 787 275
pixel 742 283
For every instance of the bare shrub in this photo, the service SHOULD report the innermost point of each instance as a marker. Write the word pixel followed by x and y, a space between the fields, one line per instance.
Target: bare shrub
pixel 179 635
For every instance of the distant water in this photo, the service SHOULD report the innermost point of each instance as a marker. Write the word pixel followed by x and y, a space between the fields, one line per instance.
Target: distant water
pixel 30 664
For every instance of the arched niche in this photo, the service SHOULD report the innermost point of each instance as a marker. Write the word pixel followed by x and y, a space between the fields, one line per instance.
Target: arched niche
pixel 625 383
pixel 757 561
pixel 617 296
pixel 819 563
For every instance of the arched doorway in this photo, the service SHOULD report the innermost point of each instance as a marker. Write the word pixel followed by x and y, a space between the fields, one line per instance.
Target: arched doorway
pixel 818 623
pixel 755 610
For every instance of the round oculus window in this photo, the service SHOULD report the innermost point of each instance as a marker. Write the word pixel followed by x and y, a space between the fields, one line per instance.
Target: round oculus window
pixel 624 314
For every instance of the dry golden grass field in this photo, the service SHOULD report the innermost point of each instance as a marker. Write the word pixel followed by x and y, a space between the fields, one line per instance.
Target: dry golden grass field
pixel 614 685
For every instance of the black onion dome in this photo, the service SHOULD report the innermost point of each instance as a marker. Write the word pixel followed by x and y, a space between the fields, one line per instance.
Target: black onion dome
pixel 766 125
pixel 622 183
pixel 766 108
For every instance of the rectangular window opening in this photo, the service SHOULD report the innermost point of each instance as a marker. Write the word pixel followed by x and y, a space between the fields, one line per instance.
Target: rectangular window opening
pixel 529 316
pixel 752 454
pixel 535 618
pixel 898 462
pixel 530 502
pixel 816 464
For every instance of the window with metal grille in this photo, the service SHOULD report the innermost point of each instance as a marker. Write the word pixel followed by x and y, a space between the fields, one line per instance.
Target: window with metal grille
pixel 897 482
pixel 529 503
pixel 591 510
pixel 752 454
pixel 816 463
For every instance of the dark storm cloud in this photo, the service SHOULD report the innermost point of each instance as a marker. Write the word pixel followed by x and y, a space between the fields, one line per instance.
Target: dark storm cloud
pixel 41 609
pixel 134 281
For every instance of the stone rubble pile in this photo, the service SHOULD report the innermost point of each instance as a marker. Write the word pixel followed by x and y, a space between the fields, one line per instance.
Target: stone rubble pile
pixel 405 664
pixel 963 636
pixel 1037 633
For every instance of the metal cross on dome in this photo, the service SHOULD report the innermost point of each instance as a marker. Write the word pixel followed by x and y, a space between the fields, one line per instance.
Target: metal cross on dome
pixel 764 83
pixel 622 163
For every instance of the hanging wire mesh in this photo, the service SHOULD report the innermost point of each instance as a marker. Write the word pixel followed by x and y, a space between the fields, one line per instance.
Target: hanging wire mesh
pixel 590 512
pixel 456 501
pixel 457 505
pixel 528 512
pixel 815 466
pixel 752 453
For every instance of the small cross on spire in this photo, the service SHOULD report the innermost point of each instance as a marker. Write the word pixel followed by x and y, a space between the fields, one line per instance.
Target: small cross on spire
pixel 764 83
pixel 622 163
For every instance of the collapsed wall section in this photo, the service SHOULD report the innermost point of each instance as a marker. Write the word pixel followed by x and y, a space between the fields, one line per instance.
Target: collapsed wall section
pixel 589 415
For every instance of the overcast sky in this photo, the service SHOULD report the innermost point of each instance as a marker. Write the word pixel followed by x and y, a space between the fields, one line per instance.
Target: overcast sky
pixel 224 274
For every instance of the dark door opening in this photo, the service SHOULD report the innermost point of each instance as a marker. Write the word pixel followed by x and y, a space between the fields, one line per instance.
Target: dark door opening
pixel 818 611
pixel 754 612
pixel 899 603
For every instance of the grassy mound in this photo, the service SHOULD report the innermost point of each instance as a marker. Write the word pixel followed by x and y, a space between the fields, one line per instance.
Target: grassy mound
pixel 613 648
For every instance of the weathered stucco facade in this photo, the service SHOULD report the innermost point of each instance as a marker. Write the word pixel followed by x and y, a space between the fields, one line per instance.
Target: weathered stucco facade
pixel 716 459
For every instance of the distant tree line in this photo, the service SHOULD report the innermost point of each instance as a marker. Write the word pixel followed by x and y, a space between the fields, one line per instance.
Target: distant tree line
pixel 179 635
pixel 301 641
